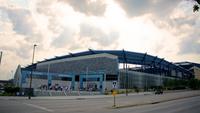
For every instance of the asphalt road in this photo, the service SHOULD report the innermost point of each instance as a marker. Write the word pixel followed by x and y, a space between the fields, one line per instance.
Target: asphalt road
pixel 100 105
pixel 187 105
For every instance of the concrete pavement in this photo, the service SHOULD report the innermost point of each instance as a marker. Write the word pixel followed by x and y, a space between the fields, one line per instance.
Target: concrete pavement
pixel 133 99
pixel 91 104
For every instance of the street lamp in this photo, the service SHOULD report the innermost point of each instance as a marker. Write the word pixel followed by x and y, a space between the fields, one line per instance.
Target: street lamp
pixel 1 54
pixel 126 70
pixel 30 85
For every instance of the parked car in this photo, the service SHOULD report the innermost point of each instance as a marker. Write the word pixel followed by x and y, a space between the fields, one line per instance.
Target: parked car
pixel 159 91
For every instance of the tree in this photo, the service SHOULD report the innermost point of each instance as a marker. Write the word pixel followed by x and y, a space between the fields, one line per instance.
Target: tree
pixel 194 84
pixel 196 6
pixel 10 89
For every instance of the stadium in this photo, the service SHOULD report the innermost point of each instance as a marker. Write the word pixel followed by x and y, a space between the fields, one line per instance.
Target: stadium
pixel 101 70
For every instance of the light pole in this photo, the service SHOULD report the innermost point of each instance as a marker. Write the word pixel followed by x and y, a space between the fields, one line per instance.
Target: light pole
pixel 12 75
pixel 126 70
pixel 30 85
pixel 1 54
pixel 86 79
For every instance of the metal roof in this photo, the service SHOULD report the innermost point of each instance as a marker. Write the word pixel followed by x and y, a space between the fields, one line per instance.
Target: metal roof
pixel 187 65
pixel 127 57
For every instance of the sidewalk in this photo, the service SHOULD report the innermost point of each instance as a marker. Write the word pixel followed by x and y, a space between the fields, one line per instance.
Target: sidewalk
pixel 72 97
pixel 89 96
pixel 153 99
pixel 122 101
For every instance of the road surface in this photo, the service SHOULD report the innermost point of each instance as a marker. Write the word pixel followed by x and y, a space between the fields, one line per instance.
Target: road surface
pixel 101 105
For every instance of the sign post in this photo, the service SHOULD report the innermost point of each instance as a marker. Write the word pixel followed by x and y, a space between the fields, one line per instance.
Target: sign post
pixel 114 94
pixel 114 84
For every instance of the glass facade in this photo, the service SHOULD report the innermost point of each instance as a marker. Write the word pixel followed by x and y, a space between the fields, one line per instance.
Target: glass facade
pixel 133 79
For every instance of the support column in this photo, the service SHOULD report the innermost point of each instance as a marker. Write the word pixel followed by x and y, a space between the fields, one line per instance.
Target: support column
pixel 104 81
pixel 81 81
pixel 49 80
pixel 73 82
pixel 101 83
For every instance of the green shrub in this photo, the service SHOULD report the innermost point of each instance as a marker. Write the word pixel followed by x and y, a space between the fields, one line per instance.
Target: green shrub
pixel 11 90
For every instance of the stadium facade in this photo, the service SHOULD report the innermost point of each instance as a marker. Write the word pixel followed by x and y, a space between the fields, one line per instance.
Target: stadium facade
pixel 100 70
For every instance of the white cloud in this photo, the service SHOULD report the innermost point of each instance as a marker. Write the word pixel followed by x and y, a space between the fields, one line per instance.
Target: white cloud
pixel 88 7
pixel 160 8
pixel 163 28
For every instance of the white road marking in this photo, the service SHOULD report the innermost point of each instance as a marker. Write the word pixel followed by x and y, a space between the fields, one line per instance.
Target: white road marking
pixel 38 107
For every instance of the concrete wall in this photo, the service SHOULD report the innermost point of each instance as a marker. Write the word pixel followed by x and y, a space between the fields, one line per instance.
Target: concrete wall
pixel 197 72
pixel 36 83
pixel 18 76
pixel 61 83
pixel 107 84
pixel 102 62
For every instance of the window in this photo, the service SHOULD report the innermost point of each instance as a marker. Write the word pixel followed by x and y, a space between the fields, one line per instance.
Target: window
pixel 111 77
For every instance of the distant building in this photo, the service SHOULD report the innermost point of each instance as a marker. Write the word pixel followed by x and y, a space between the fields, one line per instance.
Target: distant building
pixel 3 83
pixel 196 72
pixel 192 67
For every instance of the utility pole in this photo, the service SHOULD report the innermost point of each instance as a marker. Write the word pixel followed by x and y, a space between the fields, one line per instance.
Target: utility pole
pixel 1 54
pixel 12 75
pixel 86 76
pixel 126 72
pixel 126 69
pixel 30 85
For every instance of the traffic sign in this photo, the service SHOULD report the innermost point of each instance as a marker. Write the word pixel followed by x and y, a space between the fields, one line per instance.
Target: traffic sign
pixel 114 84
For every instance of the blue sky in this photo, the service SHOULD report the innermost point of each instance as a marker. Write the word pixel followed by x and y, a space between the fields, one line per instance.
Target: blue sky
pixel 164 28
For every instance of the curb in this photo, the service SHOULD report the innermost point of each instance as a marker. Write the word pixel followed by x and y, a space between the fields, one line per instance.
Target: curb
pixel 154 102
